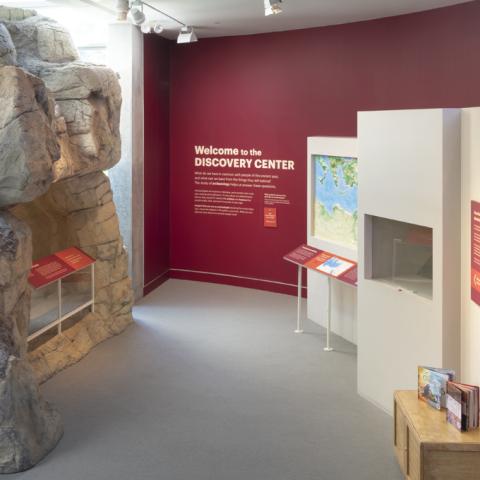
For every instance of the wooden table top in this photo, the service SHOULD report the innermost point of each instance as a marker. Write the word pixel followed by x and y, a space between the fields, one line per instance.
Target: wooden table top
pixel 430 424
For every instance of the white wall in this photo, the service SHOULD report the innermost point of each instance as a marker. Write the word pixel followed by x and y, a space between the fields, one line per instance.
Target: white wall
pixel 125 56
pixel 470 191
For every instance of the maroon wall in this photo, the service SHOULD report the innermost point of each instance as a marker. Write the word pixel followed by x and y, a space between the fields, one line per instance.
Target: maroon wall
pixel 275 90
pixel 157 160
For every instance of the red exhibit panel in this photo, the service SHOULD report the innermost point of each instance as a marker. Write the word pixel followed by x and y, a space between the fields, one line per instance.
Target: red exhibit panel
pixel 54 267
pixel 270 218
pixel 327 263
pixel 475 241
pixel 301 255
pixel 75 258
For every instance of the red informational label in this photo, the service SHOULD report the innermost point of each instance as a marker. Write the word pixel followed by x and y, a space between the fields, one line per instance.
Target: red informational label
pixel 270 217
pixel 75 258
pixel 475 245
pixel 301 255
pixel 327 263
pixel 48 270
pixel 59 265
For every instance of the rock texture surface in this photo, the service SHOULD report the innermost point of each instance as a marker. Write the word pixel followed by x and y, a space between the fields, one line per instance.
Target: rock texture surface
pixel 29 146
pixel 59 128
pixel 8 54
pixel 29 426
pixel 39 41
pixel 88 104
pixel 84 210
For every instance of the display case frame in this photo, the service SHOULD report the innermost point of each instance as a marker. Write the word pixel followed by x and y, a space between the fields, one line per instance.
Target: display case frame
pixel 343 297
pixel 58 281
pixel 383 239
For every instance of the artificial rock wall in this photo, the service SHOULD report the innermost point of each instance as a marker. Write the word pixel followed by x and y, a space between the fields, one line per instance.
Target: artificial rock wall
pixel 59 130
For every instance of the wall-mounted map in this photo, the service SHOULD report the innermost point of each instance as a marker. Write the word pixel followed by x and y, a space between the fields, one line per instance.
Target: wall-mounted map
pixel 335 215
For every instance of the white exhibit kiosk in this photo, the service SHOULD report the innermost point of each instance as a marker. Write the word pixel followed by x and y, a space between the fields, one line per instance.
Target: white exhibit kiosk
pixel 409 255
pixel 409 248
pixel 338 237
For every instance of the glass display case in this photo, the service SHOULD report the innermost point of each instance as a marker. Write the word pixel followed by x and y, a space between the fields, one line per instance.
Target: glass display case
pixel 401 255
pixel 62 284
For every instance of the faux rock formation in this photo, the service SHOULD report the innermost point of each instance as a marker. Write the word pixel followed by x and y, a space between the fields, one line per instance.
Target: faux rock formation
pixel 59 129
pixel 39 41
pixel 8 54
pixel 89 100
pixel 28 142
pixel 83 209
pixel 29 426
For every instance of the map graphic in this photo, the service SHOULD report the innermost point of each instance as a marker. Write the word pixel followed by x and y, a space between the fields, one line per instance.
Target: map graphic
pixel 336 209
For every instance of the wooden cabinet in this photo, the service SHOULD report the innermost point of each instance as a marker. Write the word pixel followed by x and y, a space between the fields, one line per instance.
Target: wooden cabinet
pixel 429 448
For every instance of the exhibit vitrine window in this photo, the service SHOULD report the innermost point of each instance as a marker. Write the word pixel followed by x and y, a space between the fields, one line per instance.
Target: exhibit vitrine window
pixel 62 285
pixel 335 207
pixel 400 254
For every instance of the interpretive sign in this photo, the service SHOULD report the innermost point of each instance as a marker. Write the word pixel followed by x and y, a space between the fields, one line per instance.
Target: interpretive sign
pixel 232 181
pixel 301 255
pixel 59 265
pixel 475 246
pixel 324 262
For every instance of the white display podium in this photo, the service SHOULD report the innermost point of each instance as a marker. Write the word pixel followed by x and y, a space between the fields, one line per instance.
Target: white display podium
pixel 409 248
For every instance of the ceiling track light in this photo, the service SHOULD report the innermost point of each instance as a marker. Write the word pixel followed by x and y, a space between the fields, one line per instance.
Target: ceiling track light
pixel 146 27
pixel 157 28
pixel 187 35
pixel 151 27
pixel 137 17
pixel 272 7
pixel 136 12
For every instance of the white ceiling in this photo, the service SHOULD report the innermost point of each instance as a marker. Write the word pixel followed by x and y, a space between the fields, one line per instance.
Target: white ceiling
pixel 214 18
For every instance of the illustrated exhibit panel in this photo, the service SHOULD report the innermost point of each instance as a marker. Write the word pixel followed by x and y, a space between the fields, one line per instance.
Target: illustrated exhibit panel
pixel 335 211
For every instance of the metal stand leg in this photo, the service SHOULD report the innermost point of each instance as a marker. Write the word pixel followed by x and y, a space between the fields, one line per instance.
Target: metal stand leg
pixel 299 302
pixel 93 287
pixel 329 316
pixel 60 313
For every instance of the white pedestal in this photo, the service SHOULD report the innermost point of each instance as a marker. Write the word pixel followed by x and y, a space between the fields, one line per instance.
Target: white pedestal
pixel 409 171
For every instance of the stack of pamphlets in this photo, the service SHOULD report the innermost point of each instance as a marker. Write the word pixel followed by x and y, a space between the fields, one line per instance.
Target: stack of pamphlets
pixel 432 385
pixel 462 406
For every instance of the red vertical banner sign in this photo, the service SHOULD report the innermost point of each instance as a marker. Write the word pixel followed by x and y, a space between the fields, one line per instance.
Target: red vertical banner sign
pixel 270 217
pixel 475 277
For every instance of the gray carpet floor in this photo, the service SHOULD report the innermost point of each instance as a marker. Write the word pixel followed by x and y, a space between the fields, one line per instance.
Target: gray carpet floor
pixel 211 383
